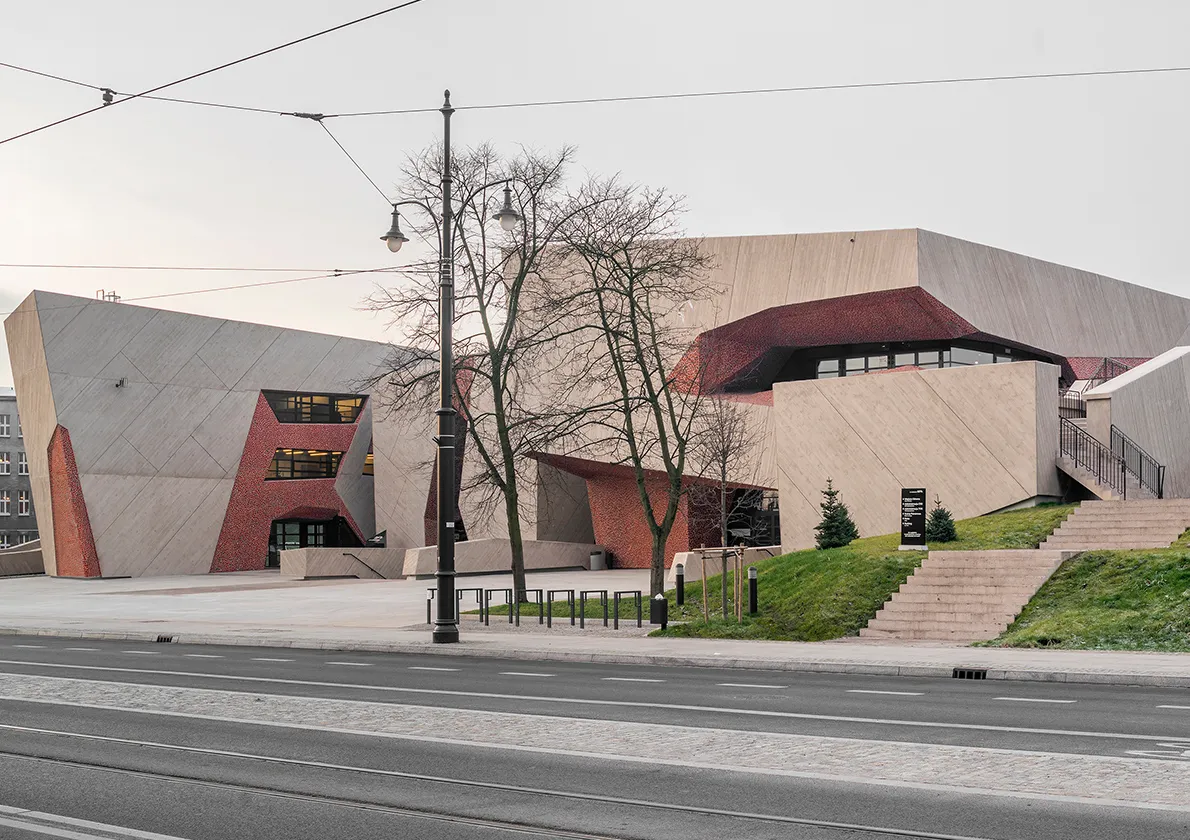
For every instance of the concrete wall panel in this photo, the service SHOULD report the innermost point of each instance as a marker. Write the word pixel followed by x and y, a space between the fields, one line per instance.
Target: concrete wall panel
pixel 224 430
pixel 121 458
pixel 95 336
pixel 169 419
pixel 162 348
pixel 190 550
pixel 288 363
pixel 344 368
pixel 100 414
pixel 195 374
pixel 882 259
pixel 563 506
pixel 762 272
pixel 821 264
pixel 108 496
pixel 190 460
pixel 358 491
pixel 235 347
pixel 150 521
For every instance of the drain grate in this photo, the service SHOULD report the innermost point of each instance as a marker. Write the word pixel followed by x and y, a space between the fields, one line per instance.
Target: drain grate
pixel 970 673
pixel 165 639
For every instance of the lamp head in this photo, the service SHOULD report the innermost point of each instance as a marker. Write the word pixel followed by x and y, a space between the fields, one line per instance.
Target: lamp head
pixel 506 216
pixel 395 238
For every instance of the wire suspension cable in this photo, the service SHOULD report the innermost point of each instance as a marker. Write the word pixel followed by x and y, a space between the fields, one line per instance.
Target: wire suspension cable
pixel 375 186
pixel 223 66
pixel 174 268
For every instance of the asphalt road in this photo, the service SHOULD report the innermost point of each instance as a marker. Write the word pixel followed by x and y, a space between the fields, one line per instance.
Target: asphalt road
pixel 199 776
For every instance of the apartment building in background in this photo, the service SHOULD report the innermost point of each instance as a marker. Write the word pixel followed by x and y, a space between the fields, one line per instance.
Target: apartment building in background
pixel 18 519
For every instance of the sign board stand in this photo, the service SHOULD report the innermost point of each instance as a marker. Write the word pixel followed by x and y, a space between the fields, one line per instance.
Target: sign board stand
pixel 913 519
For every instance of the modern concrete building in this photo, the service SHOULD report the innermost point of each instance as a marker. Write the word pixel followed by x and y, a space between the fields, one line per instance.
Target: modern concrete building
pixel 167 443
pixel 18 514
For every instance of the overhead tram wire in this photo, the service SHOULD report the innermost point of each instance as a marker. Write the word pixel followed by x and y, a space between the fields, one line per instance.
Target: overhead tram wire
pixel 207 72
pixel 179 268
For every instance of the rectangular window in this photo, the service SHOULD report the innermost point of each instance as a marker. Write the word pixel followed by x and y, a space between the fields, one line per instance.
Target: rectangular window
pixel 4 540
pixel 966 356
pixel 828 368
pixel 314 408
pixel 304 463
pixel 22 464
pixel 856 364
pixel 5 425
pixel 4 501
pixel 370 465
pixel 24 537
pixel 877 362
pixel 4 463
pixel 929 359
pixel 20 431
pixel 22 503
pixel 903 359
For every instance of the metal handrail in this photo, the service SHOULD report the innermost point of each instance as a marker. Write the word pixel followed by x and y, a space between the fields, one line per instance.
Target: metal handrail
pixel 1108 468
pixel 1108 369
pixel 1149 473
pixel 1071 404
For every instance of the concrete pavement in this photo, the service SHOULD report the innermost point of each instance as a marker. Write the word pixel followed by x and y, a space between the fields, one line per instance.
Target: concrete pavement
pixel 262 608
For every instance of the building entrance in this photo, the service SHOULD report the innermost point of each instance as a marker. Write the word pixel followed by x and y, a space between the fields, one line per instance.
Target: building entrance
pixel 307 533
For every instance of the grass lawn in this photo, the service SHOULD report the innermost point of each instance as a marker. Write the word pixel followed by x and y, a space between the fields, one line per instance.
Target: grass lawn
pixel 1111 600
pixel 816 595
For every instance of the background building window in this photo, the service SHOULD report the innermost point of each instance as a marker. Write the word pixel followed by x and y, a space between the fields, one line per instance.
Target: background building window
pixel 22 503
pixel 22 464
pixel 314 408
pixel 4 463
pixel 5 425
pixel 304 463
pixel 4 540
pixel 4 503
pixel 25 537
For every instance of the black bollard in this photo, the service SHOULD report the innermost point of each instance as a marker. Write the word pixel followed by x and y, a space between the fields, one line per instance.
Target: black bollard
pixel 751 590
pixel 680 569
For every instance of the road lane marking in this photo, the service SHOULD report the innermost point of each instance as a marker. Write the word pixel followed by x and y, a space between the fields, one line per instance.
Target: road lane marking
pixel 352 664
pixel 749 685
pixel 1173 707
pixel 35 822
pixel 895 693
pixel 575 701
pixel 140 652
pixel 629 679
pixel 267 659
pixel 90 649
pixel 1033 700
pixel 523 674
pixel 428 668
pixel 203 655
pixel 29 646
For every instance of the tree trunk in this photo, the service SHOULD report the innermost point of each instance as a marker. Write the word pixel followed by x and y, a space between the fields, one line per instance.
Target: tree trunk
pixel 515 540
pixel 657 566
pixel 723 534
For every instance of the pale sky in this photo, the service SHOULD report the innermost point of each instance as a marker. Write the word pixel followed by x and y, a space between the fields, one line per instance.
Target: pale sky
pixel 1091 172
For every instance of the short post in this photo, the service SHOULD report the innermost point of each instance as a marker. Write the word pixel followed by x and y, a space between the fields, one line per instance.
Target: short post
pixel 429 606
pixel 752 590
pixel 680 570
pixel 616 611
pixel 659 611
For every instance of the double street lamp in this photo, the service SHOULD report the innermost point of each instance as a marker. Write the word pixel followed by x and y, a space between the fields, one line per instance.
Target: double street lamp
pixel 446 623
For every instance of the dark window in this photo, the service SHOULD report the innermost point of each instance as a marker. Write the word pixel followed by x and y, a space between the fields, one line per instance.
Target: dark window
pixel 314 408
pixel 370 465
pixel 304 463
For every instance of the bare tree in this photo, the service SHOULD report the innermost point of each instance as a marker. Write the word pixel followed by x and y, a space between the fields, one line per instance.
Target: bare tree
pixel 634 275
pixel 723 449
pixel 504 329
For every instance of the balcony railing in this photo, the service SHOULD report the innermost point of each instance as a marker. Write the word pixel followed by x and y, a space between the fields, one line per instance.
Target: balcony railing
pixel 1107 467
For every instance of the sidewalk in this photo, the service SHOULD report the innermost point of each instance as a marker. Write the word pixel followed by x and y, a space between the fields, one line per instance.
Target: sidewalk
pixel 262 608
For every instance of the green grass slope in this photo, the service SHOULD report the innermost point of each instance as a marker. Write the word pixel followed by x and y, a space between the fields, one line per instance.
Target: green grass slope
pixel 817 595
pixel 1111 600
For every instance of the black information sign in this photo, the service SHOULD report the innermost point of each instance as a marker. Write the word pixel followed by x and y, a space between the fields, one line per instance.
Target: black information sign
pixel 913 517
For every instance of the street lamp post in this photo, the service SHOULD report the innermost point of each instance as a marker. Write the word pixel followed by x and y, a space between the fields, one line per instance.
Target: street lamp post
pixel 446 623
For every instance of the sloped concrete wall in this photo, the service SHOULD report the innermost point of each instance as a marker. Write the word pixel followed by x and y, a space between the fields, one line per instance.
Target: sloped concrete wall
pixel 981 438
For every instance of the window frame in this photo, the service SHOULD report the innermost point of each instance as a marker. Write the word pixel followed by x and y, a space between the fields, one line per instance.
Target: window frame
pixel 22 463
pixel 308 407
pixel 292 457
pixel 24 503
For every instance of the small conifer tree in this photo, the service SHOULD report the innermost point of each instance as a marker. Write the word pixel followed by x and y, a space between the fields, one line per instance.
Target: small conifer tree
pixel 940 524
pixel 836 528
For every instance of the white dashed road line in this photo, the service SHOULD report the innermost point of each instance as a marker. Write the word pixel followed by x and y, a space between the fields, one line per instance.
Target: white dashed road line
pixel 353 664
pixel 28 646
pixel 267 659
pixel 749 685
pixel 1173 707
pixel 140 652
pixel 428 668
pixel 204 655
pixel 629 679
pixel 1033 700
pixel 89 649
pixel 523 674
pixel 894 693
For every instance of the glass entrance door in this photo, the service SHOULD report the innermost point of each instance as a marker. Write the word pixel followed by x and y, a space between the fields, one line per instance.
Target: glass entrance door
pixel 297 533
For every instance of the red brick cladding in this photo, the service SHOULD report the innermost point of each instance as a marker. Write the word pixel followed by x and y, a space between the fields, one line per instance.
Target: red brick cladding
pixel 619 518
pixel 74 544
pixel 255 503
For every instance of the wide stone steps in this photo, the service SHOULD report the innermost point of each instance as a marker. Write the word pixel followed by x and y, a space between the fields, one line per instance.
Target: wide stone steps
pixel 1135 524
pixel 964 595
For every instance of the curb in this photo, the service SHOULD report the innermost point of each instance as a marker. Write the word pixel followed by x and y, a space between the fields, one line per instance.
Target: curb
pixel 679 660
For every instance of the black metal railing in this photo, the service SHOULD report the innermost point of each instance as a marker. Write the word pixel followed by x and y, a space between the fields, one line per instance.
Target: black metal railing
pixel 1107 467
pixel 1141 464
pixel 1071 404
pixel 1108 369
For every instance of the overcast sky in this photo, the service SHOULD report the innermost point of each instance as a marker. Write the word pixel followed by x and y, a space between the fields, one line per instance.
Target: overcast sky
pixel 1091 172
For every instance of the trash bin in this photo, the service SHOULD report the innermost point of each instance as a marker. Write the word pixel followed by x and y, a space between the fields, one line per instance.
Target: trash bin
pixel 659 611
pixel 598 560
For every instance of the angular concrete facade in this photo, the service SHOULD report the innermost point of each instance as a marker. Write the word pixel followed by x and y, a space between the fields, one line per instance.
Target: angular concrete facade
pixel 879 359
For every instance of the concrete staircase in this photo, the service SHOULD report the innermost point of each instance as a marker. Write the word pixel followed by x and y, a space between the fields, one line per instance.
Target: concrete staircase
pixel 964 596
pixel 1136 523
